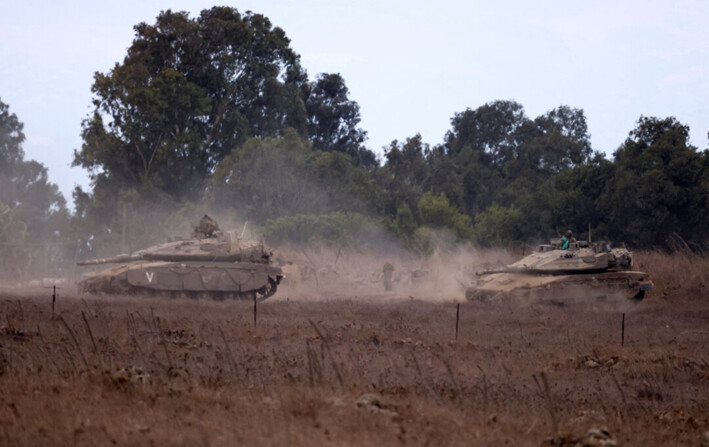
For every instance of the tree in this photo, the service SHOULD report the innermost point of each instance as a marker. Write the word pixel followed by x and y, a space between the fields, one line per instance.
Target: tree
pixel 265 179
pixel 349 187
pixel 659 187
pixel 498 225
pixel 569 124
pixel 191 90
pixel 437 212
pixel 14 256
pixel 477 147
pixel 486 130
pixel 575 196
pixel 11 139
pixel 495 154
pixel 187 93
pixel 552 143
pixel 273 177
pixel 404 225
pixel 333 120
pixel 34 214
pixel 405 174
pixel 464 178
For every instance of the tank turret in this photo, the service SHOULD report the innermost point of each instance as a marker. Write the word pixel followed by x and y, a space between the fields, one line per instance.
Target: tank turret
pixel 222 247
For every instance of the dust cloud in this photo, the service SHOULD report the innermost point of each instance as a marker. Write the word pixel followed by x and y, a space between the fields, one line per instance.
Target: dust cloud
pixel 323 273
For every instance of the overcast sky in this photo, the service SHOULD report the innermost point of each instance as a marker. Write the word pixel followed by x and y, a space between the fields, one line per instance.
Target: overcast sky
pixel 410 65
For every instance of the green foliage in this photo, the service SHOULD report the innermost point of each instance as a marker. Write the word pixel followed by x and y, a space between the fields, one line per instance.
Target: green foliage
pixel 498 226
pixel 437 212
pixel 186 94
pixel 14 255
pixel 350 188
pixel 490 149
pixel 265 179
pixel 659 186
pixel 273 177
pixel 218 108
pixel 489 130
pixel 333 119
pixel 404 224
pixel 564 139
pixel 574 199
pixel 35 216
pixel 423 242
pixel 338 227
pixel 191 90
pixel 11 139
pixel 405 174
pixel 121 221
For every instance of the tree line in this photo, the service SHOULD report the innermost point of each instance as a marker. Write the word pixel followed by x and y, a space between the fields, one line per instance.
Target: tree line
pixel 217 113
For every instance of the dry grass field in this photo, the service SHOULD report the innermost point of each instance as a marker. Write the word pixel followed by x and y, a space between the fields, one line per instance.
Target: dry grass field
pixel 353 368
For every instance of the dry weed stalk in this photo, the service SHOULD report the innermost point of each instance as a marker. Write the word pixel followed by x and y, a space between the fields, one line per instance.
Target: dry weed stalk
pixel 458 392
pixel 76 342
pixel 424 382
pixel 326 343
pixel 485 386
pixel 230 357
pixel 618 387
pixel 546 393
pixel 91 334
pixel 314 367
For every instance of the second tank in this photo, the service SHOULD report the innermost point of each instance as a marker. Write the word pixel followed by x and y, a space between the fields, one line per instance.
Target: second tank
pixel 583 272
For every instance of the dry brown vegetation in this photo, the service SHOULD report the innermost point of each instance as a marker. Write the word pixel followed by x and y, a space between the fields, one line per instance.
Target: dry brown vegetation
pixel 359 369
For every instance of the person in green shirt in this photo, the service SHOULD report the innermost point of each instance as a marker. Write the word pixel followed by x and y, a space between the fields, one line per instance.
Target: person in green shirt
pixel 566 239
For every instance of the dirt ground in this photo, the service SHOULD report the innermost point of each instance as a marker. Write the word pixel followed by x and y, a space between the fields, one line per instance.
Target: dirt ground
pixel 345 367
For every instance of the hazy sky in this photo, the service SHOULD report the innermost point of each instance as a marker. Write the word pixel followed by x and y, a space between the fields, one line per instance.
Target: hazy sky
pixel 410 65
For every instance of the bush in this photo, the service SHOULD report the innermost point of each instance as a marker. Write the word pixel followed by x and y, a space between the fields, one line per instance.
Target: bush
pixel 498 225
pixel 437 212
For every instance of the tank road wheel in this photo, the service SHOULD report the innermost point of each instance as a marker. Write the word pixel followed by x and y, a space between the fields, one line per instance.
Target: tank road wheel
pixel 119 286
pixel 204 295
pixel 268 290
pixel 219 296
pixel 247 296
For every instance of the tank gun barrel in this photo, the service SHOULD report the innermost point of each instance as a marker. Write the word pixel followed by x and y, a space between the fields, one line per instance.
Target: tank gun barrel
pixel 502 270
pixel 112 260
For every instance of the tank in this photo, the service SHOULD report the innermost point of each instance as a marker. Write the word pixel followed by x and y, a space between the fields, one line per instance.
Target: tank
pixel 211 264
pixel 583 272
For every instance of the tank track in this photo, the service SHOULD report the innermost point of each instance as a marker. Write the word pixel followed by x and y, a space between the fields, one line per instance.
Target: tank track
pixel 117 287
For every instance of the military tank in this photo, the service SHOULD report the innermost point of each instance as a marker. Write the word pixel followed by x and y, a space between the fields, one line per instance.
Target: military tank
pixel 212 264
pixel 582 272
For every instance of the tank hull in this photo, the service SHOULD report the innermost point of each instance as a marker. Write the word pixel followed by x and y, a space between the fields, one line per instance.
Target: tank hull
pixel 614 287
pixel 193 279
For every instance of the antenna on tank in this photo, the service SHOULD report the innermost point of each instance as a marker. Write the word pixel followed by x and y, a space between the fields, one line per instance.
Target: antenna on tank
pixel 589 233
pixel 243 230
